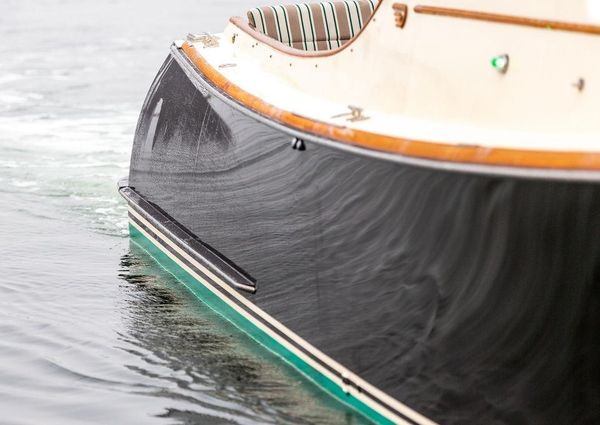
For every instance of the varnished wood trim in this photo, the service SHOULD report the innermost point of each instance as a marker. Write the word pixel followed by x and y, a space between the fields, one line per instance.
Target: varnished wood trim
pixel 509 19
pixel 469 154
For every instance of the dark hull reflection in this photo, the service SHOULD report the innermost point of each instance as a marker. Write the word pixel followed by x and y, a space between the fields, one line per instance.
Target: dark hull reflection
pixel 206 364
pixel 471 299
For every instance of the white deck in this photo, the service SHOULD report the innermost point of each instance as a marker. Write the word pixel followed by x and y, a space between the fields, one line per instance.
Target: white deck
pixel 432 80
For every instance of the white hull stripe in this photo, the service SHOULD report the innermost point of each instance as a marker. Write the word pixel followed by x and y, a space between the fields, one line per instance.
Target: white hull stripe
pixel 227 293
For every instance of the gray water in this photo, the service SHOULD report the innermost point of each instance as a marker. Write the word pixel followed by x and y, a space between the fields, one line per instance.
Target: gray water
pixel 91 329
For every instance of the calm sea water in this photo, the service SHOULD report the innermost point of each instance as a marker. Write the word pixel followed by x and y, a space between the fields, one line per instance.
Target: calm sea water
pixel 91 329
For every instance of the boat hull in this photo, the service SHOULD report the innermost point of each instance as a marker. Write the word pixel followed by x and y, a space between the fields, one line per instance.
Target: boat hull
pixel 409 292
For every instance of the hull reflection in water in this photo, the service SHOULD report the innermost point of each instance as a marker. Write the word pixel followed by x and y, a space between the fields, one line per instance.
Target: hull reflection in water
pixel 210 370
pixel 412 294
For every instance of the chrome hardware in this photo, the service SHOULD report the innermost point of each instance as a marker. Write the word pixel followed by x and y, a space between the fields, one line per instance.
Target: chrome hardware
pixel 298 144
pixel 207 40
pixel 355 114
pixel 178 43
pixel 579 84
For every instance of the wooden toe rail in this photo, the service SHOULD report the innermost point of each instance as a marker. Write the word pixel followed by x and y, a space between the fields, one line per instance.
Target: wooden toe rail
pixel 508 19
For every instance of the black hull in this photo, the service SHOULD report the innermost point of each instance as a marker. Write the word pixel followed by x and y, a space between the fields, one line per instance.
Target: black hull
pixel 469 298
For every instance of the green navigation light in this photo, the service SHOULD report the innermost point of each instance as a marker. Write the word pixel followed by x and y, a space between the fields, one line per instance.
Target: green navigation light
pixel 500 63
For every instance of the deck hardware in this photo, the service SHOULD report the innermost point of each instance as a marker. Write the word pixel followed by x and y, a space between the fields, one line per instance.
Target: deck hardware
pixel 579 84
pixel 298 144
pixel 178 43
pixel 355 114
pixel 207 40
pixel 500 63
pixel 400 13
pixel 233 37
pixel 227 65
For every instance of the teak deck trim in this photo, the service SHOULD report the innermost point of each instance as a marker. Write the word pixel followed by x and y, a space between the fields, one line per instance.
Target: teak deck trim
pixel 508 19
pixel 455 153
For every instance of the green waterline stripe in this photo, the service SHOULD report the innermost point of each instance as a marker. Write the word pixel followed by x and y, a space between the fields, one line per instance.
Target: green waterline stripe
pixel 215 303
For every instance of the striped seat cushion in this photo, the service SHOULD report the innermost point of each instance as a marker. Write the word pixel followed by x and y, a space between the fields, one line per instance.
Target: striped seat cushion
pixel 315 26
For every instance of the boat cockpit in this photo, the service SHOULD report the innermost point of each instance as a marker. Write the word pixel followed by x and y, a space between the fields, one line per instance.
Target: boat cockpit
pixel 313 26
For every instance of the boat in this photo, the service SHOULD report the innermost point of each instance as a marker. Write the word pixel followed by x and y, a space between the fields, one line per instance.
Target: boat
pixel 400 199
